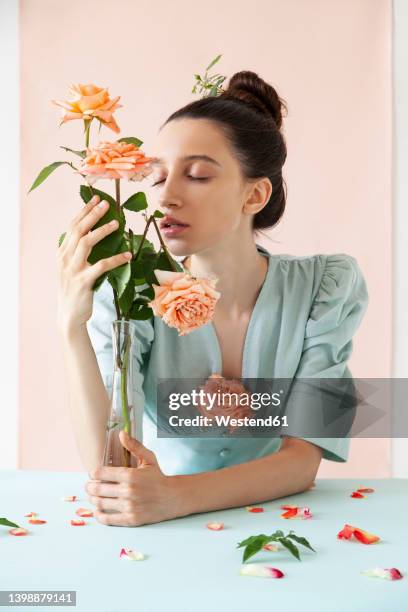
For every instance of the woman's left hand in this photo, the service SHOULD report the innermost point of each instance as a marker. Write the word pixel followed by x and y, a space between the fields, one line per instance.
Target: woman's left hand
pixel 138 495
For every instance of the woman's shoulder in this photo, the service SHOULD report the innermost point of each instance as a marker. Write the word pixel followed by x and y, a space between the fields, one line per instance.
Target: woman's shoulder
pixel 321 273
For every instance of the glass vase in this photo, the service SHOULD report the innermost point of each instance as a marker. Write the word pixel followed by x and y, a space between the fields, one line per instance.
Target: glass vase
pixel 121 415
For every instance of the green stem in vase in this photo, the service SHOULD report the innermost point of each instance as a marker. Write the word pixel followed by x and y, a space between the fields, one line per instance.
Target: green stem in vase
pixel 124 394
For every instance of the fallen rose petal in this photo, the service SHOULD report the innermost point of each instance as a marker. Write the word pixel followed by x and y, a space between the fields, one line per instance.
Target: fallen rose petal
pixel 389 574
pixel 77 522
pixel 254 509
pixel 362 536
pixel 346 532
pixel 131 555
pixel 70 498
pixel 297 512
pixel 36 521
pixel 18 532
pixel 84 512
pixel 263 571
pixel 215 526
pixel 366 490
pixel 271 547
pixel 288 507
pixel 291 513
pixel 357 494
pixel 31 514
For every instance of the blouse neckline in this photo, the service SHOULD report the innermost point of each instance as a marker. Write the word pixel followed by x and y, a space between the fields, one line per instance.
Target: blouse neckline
pixel 210 327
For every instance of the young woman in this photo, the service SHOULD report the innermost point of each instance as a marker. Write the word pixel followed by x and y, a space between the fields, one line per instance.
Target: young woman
pixel 219 173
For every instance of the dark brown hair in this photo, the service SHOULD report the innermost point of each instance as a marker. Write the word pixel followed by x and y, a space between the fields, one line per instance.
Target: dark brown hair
pixel 249 112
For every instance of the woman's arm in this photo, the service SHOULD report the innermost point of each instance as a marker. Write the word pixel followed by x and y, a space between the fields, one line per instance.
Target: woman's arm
pixel 290 470
pixel 88 398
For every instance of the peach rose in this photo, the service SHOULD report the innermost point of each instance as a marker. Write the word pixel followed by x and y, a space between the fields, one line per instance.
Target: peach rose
pixel 87 102
pixel 114 160
pixel 184 301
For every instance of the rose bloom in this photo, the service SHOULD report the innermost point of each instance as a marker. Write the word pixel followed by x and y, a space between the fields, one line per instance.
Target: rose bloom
pixel 114 160
pixel 184 301
pixel 87 102
pixel 217 383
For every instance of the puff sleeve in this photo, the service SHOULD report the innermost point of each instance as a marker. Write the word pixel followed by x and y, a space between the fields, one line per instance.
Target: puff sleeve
pixel 335 315
pixel 100 333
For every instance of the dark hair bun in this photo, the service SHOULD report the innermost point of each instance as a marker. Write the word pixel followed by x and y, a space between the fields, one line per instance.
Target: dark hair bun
pixel 249 87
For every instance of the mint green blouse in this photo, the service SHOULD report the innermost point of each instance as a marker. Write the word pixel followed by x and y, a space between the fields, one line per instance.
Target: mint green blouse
pixel 302 326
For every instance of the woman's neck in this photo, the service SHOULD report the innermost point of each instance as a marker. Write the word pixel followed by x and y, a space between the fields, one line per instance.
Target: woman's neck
pixel 240 277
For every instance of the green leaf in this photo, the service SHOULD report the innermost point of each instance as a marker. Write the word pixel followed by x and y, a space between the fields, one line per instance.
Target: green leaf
pixel 7 523
pixel 45 172
pixel 131 140
pixel 99 281
pixel 140 313
pixel 79 153
pixel 213 90
pixel 300 540
pixel 213 62
pixel 61 238
pixel 127 297
pixel 148 292
pixel 158 213
pixel 290 546
pixel 251 539
pixel 119 277
pixel 255 546
pixel 136 202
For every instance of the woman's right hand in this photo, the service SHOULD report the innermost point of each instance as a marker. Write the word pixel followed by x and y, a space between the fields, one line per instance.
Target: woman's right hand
pixel 76 275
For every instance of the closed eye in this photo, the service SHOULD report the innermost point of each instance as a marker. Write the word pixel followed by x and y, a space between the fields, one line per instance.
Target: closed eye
pixel 193 178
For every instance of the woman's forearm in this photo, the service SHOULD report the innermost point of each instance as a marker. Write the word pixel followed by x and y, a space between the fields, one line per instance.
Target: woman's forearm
pixel 88 398
pixel 290 470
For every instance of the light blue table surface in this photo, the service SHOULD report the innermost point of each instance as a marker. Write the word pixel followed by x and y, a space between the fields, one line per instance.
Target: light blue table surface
pixel 190 568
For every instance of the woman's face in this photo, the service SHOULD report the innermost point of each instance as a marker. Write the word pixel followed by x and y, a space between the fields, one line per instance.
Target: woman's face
pixel 207 194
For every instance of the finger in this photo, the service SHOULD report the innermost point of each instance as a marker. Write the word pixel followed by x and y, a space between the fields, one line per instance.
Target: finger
pixel 120 519
pixel 84 211
pixel 91 218
pixel 107 503
pixel 106 264
pixel 112 474
pixel 104 489
pixel 87 242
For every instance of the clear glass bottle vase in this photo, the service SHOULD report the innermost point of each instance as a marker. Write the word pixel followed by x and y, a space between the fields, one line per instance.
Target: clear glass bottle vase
pixel 121 414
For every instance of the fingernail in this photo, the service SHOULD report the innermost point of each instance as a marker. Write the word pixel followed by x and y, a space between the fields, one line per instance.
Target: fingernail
pixel 127 255
pixel 102 204
pixel 94 199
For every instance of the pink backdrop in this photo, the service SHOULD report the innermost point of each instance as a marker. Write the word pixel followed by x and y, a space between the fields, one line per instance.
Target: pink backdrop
pixel 331 61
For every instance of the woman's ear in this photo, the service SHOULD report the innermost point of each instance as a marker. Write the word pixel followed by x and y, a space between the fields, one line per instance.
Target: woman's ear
pixel 259 196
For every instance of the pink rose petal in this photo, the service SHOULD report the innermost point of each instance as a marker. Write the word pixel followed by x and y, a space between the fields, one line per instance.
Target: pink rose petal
pixel 271 547
pixel 263 571
pixel 35 521
pixel 70 498
pixel 131 555
pixel 388 574
pixel 77 522
pixel 84 512
pixel 31 514
pixel 215 526
pixel 20 531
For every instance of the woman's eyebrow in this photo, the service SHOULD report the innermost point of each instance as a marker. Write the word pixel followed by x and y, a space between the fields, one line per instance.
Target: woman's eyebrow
pixel 158 161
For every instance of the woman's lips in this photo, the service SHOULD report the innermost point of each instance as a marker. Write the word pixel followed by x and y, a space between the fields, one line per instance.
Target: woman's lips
pixel 174 230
